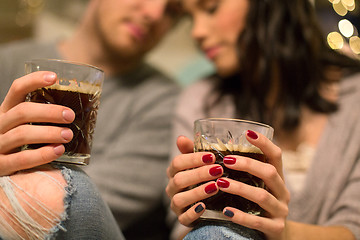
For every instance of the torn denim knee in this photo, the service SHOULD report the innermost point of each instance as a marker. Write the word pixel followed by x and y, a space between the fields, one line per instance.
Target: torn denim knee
pixel 13 216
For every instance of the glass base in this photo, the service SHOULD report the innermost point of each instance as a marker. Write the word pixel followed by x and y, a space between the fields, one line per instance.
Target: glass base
pixel 211 214
pixel 78 159
pixel 217 215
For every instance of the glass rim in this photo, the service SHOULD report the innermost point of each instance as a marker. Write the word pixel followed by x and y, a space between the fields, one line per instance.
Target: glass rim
pixel 62 61
pixel 233 120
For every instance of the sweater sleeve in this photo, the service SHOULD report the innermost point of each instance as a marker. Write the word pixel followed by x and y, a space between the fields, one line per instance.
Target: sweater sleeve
pixel 345 210
pixel 343 195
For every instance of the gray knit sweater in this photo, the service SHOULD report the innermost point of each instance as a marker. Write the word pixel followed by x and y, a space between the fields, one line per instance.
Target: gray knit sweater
pixel 131 143
pixel 331 195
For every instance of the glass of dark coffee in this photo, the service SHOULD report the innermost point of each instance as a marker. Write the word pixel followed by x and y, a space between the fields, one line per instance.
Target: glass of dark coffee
pixel 79 88
pixel 223 137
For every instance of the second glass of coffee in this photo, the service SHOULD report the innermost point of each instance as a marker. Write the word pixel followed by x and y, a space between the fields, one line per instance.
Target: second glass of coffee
pixel 228 137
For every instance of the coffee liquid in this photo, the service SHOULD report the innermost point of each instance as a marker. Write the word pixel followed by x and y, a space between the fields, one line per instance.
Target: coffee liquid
pixel 85 106
pixel 222 199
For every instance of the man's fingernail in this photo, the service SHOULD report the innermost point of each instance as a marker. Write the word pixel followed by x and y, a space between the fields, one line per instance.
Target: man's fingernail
pixel 68 115
pixel 59 150
pixel 67 134
pixel 50 77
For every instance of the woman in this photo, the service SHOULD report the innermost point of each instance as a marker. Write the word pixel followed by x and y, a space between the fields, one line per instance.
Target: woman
pixel 274 66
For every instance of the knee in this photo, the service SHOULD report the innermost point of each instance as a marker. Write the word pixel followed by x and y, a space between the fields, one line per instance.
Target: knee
pixel 34 201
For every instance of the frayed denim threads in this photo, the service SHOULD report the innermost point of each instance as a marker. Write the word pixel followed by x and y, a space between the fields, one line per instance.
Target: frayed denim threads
pixel 13 216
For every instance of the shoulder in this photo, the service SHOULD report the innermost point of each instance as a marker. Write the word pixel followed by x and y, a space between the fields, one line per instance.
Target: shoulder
pixel 13 55
pixel 196 93
pixel 149 90
pixel 27 49
pixel 190 104
pixel 349 99
pixel 350 89
pixel 147 78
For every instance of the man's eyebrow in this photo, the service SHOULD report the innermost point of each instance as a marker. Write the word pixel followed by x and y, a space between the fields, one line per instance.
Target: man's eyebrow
pixel 174 8
pixel 200 3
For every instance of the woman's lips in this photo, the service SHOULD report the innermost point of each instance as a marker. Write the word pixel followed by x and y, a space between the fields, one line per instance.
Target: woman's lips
pixel 136 31
pixel 212 52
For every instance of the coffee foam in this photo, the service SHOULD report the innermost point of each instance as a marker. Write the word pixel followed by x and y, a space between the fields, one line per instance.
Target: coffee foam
pixel 75 86
pixel 231 147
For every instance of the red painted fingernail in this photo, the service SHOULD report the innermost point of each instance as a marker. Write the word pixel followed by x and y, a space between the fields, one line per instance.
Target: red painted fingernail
pixel 229 160
pixel 208 158
pixel 222 183
pixel 252 134
pixel 215 171
pixel 210 188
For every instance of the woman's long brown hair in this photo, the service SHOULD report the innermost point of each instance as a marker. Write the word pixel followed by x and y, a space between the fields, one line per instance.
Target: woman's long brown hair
pixel 282 44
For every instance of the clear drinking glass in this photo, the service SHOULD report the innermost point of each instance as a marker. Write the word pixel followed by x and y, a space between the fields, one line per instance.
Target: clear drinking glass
pixel 79 88
pixel 223 137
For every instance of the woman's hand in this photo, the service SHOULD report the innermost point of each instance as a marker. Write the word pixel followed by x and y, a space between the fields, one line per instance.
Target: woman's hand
pixel 274 199
pixel 190 169
pixel 15 132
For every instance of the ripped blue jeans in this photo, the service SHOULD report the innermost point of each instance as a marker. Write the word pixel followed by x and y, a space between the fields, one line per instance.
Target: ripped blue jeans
pixel 208 230
pixel 54 203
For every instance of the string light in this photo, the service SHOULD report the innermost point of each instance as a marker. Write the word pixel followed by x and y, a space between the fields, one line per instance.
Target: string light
pixel 347 31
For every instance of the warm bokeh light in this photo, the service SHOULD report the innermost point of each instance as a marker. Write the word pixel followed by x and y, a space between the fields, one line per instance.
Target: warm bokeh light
pixel 348 3
pixel 354 42
pixel 340 9
pixel 335 40
pixel 346 28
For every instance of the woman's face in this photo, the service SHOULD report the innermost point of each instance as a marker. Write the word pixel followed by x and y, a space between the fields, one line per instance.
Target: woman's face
pixel 217 25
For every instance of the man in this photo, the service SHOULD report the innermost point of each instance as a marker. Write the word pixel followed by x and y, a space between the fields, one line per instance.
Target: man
pixel 130 150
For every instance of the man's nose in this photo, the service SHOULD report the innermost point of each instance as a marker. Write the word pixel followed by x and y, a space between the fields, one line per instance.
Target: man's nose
pixel 153 9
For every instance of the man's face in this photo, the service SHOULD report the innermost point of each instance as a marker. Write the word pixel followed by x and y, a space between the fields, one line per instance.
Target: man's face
pixel 130 28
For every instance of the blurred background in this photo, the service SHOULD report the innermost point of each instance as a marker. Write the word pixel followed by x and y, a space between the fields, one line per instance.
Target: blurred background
pixel 177 56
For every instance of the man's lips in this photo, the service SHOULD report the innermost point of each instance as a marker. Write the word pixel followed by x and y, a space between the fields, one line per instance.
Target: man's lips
pixel 136 31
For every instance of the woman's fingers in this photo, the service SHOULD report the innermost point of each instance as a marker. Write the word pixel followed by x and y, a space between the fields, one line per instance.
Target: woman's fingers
pixel 265 171
pixel 30 158
pixel 270 227
pixel 22 86
pixel 188 161
pixel 28 112
pixel 185 179
pixel 183 199
pixel 192 214
pixel 271 151
pixel 255 194
pixel 185 145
